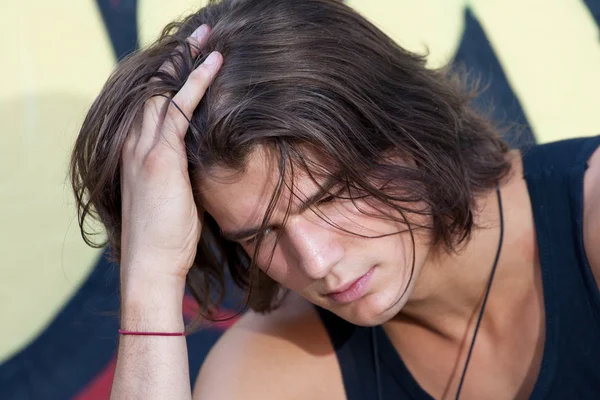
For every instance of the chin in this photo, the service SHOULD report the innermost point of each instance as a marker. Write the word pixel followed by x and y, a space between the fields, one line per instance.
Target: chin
pixel 371 310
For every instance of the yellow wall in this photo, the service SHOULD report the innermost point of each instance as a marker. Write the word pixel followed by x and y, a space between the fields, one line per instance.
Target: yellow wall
pixel 57 54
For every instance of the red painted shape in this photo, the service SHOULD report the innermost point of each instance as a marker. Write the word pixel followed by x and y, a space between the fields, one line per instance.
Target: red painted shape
pixel 225 318
pixel 99 387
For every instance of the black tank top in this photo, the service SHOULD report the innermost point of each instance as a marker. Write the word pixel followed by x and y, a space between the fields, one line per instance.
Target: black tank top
pixel 570 369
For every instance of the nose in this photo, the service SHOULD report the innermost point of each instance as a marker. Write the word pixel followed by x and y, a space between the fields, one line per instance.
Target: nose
pixel 313 246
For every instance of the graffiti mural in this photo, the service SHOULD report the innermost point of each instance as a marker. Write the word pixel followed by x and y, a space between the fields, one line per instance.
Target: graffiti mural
pixel 59 299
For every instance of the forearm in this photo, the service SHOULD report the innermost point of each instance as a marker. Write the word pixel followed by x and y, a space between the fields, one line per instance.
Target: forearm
pixel 152 367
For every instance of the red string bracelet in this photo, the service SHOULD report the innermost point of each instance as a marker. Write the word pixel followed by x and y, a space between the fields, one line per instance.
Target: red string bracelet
pixel 134 333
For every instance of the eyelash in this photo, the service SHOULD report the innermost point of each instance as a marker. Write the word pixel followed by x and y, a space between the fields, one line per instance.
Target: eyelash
pixel 326 199
pixel 252 240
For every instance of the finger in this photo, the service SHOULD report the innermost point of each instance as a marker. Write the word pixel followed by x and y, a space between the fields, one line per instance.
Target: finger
pixel 152 120
pixel 196 41
pixel 154 109
pixel 132 139
pixel 191 93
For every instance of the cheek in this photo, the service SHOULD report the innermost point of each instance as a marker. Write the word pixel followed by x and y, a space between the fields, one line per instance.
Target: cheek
pixel 284 270
pixel 275 264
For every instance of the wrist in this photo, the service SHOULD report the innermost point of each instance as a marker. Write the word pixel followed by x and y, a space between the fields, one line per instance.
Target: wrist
pixel 150 304
pixel 147 271
pixel 152 316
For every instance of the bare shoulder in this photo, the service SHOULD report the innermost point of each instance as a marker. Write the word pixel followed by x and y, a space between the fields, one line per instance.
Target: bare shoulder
pixel 591 214
pixel 285 354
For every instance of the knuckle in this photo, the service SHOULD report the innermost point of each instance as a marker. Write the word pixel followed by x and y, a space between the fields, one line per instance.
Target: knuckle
pixel 129 145
pixel 200 74
pixel 174 118
pixel 152 110
pixel 162 160
pixel 154 160
pixel 194 45
pixel 154 103
pixel 173 112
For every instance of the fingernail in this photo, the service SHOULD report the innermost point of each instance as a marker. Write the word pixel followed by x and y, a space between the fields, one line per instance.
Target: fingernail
pixel 200 32
pixel 211 59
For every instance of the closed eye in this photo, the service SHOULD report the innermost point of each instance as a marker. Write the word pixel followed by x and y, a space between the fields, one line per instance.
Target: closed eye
pixel 326 199
pixel 252 240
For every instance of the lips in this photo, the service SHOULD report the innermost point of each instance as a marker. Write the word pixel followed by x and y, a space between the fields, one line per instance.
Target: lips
pixel 343 288
pixel 352 290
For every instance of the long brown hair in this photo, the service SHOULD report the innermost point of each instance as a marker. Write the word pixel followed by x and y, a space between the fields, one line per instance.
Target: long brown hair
pixel 298 75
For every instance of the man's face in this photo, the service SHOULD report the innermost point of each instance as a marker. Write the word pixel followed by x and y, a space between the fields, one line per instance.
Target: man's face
pixel 334 253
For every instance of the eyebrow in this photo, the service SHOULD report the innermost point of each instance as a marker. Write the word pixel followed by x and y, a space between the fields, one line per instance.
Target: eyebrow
pixel 241 234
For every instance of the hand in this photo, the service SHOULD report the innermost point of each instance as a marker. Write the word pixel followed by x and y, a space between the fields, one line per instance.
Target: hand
pixel 161 224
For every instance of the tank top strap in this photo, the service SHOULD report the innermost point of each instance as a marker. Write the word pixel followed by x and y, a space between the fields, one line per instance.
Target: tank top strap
pixel 352 345
pixel 554 174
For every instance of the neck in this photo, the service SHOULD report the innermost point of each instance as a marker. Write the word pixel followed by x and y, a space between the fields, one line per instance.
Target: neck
pixel 451 286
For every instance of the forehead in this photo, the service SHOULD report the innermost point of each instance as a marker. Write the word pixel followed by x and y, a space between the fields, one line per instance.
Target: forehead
pixel 239 199
pixel 233 197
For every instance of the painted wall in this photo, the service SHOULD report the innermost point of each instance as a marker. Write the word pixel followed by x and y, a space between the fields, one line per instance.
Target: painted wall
pixel 540 58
